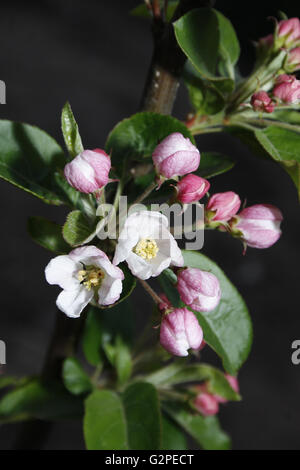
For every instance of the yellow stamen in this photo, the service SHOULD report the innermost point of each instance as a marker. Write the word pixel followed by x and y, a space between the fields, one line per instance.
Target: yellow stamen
pixel 146 248
pixel 90 277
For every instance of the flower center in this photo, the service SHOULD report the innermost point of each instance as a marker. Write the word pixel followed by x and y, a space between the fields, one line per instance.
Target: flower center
pixel 146 248
pixel 90 276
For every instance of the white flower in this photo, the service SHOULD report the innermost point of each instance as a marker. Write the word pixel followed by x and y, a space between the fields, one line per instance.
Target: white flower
pixel 147 245
pixel 84 274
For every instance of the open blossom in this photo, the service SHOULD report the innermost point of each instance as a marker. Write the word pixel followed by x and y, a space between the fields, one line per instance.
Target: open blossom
pixel 261 101
pixel 88 171
pixel 259 225
pixel 175 156
pixel 199 289
pixel 84 274
pixel 288 32
pixel 287 89
pixel 147 245
pixel 180 331
pixel 206 404
pixel 292 62
pixel 223 205
pixel 191 188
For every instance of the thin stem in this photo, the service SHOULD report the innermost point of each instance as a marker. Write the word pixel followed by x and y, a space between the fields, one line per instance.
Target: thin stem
pixel 146 193
pixel 271 122
pixel 151 292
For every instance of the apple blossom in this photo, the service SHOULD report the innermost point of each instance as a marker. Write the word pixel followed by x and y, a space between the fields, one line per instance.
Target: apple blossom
pixel 175 156
pixel 146 244
pixel 191 188
pixel 292 62
pixel 88 171
pixel 180 331
pixel 206 404
pixel 84 274
pixel 259 225
pixel 223 206
pixel 288 32
pixel 287 89
pixel 198 289
pixel 261 101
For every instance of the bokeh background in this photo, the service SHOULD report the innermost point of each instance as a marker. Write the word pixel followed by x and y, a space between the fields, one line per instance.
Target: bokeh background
pixel 96 56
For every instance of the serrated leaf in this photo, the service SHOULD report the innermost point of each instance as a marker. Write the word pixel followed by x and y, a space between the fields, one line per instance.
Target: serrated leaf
pixel 34 399
pixel 47 234
pixel 75 378
pixel 70 131
pixel 28 159
pixel 77 228
pixel 172 437
pixel 135 138
pixel 130 421
pixel 205 35
pixel 213 164
pixel 227 329
pixel 205 430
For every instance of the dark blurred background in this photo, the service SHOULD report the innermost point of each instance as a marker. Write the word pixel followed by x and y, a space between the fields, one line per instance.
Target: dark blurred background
pixel 96 56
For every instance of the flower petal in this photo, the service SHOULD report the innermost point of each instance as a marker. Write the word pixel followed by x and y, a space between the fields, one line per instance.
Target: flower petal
pixel 72 302
pixel 62 271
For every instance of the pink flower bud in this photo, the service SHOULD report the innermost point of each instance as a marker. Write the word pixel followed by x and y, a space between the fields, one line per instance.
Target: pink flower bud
pixel 175 156
pixel 261 101
pixel 259 225
pixel 180 331
pixel 225 205
pixel 206 404
pixel 292 62
pixel 233 382
pixel 287 89
pixel 191 188
pixel 289 31
pixel 198 289
pixel 88 171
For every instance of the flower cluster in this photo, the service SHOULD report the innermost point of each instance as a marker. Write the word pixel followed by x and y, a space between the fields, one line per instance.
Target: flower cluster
pixel 146 244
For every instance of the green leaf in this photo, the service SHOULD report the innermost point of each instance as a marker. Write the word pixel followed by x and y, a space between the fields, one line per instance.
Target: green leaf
pixel 135 138
pixel 104 422
pixel 36 400
pixel 75 378
pixel 131 421
pixel 8 381
pixel 92 337
pixel 229 47
pixel 123 361
pixel 204 97
pixel 213 164
pixel 47 234
pixel 205 430
pixel 70 131
pixel 143 417
pixel 172 437
pixel 28 159
pixel 179 372
pixel 77 229
pixel 168 288
pixel 283 145
pixel 205 35
pixel 143 12
pixel 227 329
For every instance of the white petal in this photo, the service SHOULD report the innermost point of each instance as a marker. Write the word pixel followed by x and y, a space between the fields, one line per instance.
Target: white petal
pixel 109 291
pixel 111 270
pixel 127 241
pixel 72 302
pixel 86 254
pixel 139 267
pixel 159 264
pixel 62 271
